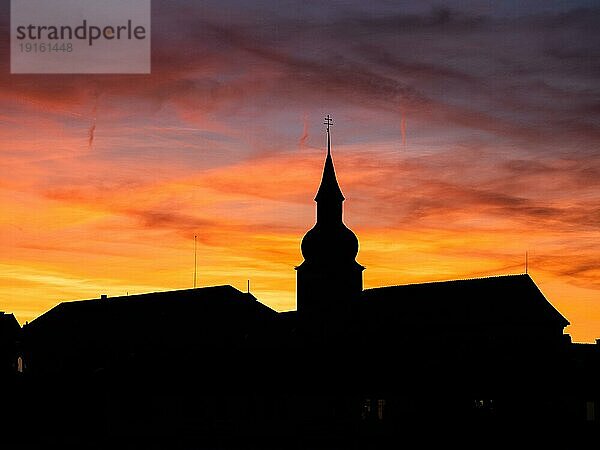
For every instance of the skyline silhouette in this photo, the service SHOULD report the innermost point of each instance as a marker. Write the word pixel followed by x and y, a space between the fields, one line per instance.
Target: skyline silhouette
pixel 213 367
pixel 328 244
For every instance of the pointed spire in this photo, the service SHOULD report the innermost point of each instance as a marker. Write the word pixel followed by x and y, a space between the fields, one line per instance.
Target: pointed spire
pixel 329 188
pixel 328 122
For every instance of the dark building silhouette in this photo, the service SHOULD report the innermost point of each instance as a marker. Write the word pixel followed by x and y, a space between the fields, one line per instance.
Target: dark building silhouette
pixel 213 366
pixel 329 279
pixel 508 311
pixel 157 330
pixel 10 332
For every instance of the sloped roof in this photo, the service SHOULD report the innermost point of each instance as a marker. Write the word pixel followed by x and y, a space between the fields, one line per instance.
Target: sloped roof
pixel 508 299
pixel 329 189
pixel 8 325
pixel 200 309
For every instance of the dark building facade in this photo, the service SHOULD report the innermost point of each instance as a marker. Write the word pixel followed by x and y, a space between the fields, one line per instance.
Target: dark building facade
pixel 350 365
pixel 160 331
pixel 10 337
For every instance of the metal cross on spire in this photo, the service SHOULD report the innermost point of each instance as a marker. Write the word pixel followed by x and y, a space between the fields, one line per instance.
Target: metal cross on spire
pixel 328 122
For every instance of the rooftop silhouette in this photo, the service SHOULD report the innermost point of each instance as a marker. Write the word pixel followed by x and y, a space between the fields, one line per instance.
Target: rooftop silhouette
pixel 350 363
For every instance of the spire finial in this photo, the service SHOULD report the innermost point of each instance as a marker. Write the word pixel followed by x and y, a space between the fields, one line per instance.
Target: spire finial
pixel 328 122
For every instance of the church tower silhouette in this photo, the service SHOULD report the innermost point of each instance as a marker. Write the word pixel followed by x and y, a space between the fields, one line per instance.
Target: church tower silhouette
pixel 329 278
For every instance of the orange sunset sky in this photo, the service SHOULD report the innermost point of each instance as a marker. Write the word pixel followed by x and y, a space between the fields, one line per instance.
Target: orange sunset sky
pixel 465 134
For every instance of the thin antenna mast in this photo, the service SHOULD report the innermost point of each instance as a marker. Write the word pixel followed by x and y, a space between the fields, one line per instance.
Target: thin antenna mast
pixel 526 262
pixel 248 286
pixel 195 261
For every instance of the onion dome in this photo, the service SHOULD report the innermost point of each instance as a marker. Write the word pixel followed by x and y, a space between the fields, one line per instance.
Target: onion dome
pixel 329 240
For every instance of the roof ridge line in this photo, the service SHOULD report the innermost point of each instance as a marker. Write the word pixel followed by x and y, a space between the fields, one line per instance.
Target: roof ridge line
pixel 452 280
pixel 148 293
